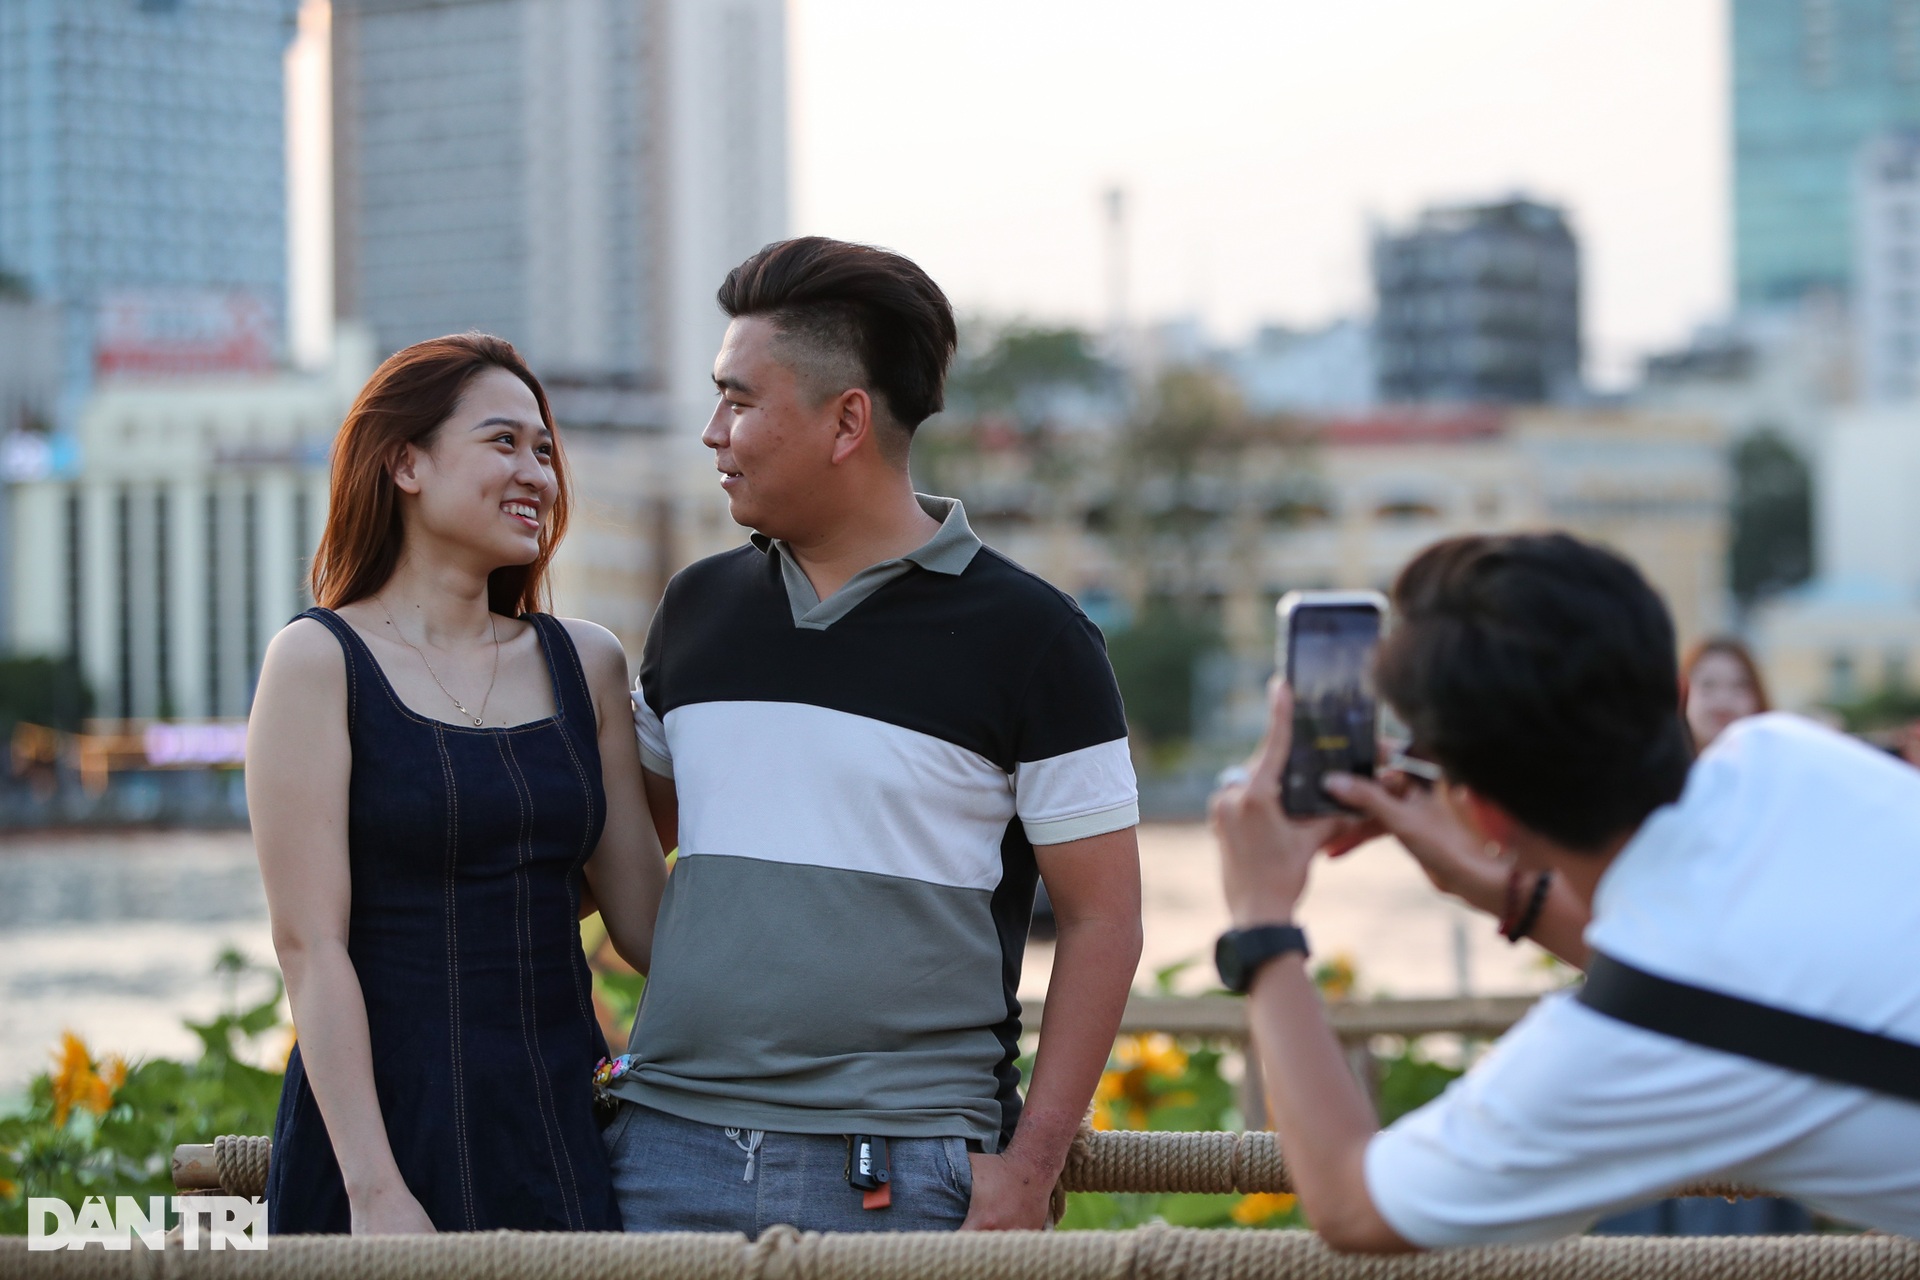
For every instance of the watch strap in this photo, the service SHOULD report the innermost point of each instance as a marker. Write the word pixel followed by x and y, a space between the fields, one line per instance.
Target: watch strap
pixel 1242 953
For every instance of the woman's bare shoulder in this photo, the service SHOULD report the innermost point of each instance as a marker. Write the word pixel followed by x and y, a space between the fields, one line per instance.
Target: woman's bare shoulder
pixel 599 648
pixel 592 640
pixel 305 650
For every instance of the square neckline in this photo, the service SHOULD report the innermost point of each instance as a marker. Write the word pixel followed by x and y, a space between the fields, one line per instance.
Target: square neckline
pixel 400 704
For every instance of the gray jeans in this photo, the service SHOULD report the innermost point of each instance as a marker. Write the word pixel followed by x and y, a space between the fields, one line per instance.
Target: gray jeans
pixel 671 1174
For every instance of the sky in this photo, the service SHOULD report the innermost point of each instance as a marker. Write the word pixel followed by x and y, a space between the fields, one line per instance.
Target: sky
pixel 1258 140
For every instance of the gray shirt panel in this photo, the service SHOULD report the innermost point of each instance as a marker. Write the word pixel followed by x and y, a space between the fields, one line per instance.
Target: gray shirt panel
pixel 806 999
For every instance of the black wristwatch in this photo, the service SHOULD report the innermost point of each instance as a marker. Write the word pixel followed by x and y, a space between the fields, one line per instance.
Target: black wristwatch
pixel 1240 952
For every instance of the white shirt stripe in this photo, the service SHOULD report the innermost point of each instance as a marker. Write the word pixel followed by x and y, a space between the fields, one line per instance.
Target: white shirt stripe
pixel 805 785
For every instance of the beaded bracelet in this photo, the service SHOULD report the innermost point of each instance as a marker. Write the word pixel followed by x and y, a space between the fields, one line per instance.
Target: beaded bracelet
pixel 608 1070
pixel 1513 929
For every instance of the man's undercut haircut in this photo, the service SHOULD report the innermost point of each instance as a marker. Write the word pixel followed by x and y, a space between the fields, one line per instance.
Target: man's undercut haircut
pixel 852 315
pixel 1540 671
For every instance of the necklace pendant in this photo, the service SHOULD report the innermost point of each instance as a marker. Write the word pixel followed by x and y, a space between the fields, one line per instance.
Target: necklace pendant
pixel 476 722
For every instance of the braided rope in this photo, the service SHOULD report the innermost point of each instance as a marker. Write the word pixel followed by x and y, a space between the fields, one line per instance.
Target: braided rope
pixel 1217 1163
pixel 242 1163
pixel 1110 1161
pixel 1150 1253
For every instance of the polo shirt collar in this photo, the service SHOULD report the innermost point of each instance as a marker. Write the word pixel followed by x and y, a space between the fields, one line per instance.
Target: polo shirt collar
pixel 949 551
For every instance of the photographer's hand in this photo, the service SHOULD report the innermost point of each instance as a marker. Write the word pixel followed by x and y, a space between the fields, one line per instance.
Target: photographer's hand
pixel 1323 1119
pixel 1456 859
pixel 1264 854
pixel 1453 857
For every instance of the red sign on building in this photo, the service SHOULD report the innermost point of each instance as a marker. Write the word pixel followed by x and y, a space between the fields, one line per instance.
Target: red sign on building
pixel 183 331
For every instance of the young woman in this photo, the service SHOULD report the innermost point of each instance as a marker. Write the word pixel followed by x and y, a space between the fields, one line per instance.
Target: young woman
pixel 1719 684
pixel 436 774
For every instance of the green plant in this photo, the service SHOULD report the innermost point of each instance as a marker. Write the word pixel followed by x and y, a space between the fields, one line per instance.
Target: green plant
pixel 1886 708
pixel 97 1126
pixel 1154 662
pixel 47 691
pixel 1407 1079
pixel 1772 544
pixel 620 993
pixel 1157 1082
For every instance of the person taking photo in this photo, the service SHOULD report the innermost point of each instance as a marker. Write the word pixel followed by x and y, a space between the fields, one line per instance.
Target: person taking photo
pixel 1752 1010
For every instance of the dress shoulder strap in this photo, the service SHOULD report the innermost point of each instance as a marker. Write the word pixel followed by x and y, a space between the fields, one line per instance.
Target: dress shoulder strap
pixel 351 645
pixel 570 689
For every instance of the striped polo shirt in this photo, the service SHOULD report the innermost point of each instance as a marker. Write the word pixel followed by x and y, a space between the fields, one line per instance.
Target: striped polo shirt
pixel 862 782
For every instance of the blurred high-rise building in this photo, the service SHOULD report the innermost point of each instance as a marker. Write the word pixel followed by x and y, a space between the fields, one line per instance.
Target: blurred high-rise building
pixel 1812 81
pixel 1479 304
pixel 1886 267
pixel 143 175
pixel 576 176
pixel 573 175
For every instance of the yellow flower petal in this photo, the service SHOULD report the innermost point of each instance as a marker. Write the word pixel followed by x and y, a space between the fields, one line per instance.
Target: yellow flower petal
pixel 1260 1206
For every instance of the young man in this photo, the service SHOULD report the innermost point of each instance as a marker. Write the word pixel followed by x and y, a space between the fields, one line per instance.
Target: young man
pixel 866 733
pixel 1778 869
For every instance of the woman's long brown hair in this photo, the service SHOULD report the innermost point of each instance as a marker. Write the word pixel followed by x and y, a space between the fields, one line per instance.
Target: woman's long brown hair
pixel 412 392
pixel 1732 648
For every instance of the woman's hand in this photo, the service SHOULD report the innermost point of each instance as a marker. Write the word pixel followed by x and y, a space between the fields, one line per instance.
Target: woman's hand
pixel 389 1209
pixel 1453 857
pixel 1264 854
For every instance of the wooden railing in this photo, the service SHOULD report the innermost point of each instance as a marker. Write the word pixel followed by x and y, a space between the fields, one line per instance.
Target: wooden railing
pixel 1355 1022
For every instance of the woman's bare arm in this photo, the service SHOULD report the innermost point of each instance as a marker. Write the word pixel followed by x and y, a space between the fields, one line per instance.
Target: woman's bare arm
pixel 627 872
pixel 298 765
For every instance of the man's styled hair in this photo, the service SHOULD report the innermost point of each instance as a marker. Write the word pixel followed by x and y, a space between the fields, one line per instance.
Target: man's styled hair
pixel 1539 671
pixel 852 315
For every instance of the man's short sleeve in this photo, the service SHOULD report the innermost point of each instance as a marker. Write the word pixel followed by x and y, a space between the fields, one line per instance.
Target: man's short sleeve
pixel 655 755
pixel 1074 776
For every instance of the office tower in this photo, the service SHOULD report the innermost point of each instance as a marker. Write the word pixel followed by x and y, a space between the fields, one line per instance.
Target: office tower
pixel 1812 81
pixel 1886 267
pixel 573 175
pixel 1479 304
pixel 576 176
pixel 143 167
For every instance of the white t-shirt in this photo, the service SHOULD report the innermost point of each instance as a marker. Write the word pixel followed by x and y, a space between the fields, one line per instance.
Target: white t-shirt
pixel 1788 873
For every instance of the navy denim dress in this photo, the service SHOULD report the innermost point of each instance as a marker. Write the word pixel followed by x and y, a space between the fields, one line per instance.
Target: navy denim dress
pixel 466 847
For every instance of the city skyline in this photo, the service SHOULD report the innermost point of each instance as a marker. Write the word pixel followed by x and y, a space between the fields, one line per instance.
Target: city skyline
pixel 1005 121
pixel 997 152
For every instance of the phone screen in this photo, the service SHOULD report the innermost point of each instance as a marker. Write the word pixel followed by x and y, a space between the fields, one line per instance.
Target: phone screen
pixel 1330 669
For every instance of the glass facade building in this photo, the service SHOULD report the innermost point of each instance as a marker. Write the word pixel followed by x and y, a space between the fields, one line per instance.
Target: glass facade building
pixel 142 147
pixel 1813 80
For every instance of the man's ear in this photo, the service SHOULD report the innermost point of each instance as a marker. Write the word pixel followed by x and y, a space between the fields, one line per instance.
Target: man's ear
pixel 405 469
pixel 1484 817
pixel 853 424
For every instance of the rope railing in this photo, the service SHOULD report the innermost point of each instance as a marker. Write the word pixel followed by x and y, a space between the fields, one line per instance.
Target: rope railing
pixel 1147 1253
pixel 1225 1017
pixel 1177 1160
pixel 1110 1161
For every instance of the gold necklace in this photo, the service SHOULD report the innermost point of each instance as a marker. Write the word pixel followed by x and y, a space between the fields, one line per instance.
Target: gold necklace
pixel 492 630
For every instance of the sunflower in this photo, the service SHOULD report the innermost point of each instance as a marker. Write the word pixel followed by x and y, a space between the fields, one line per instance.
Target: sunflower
pixel 80 1081
pixel 1261 1205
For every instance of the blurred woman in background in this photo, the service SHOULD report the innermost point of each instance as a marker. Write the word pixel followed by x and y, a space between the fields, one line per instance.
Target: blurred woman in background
pixel 1719 683
pixel 438 774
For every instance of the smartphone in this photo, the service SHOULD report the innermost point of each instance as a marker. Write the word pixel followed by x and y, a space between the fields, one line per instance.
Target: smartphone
pixel 1327 642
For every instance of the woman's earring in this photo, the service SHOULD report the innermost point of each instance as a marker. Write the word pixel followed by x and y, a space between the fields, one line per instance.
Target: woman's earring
pixel 1494 850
